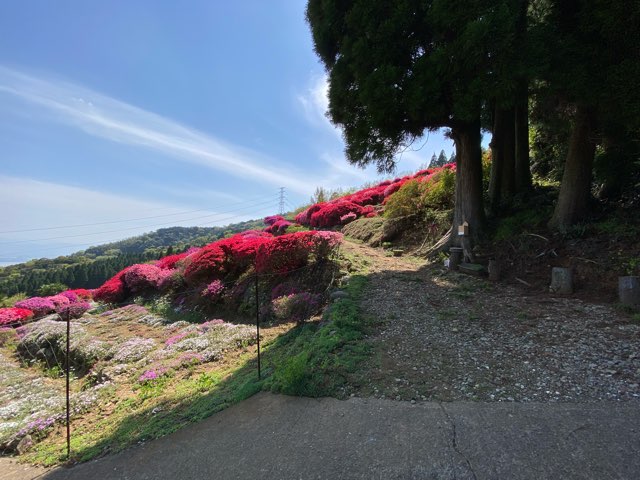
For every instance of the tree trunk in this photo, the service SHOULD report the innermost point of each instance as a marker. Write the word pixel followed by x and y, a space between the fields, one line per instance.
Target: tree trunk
pixel 522 164
pixel 575 190
pixel 502 182
pixel 497 159
pixel 469 206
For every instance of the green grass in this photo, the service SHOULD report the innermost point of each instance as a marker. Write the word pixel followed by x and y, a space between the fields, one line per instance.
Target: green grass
pixel 315 360
pixel 524 220
pixel 154 410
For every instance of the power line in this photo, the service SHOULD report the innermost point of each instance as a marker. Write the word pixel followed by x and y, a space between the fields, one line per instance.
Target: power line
pixel 122 221
pixel 262 211
pixel 136 227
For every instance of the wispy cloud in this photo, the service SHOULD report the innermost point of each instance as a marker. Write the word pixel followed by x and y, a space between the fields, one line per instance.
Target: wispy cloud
pixel 109 118
pixel 28 204
pixel 315 104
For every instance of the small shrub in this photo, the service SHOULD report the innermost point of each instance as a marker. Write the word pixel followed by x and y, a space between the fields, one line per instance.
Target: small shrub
pixel 296 306
pixel 59 300
pixel 142 277
pixel 440 189
pixel 213 291
pixel 73 310
pixel 406 201
pixel 38 305
pixel 14 316
pixel 113 290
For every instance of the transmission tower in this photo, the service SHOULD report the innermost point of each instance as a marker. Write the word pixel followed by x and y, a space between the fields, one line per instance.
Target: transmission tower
pixel 281 202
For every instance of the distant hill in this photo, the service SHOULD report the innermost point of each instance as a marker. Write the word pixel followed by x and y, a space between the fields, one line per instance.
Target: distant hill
pixel 91 267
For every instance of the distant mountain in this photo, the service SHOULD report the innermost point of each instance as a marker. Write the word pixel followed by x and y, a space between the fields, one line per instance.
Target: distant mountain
pixel 91 267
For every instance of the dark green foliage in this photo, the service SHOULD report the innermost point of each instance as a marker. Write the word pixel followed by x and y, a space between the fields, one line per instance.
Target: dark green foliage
pixel 51 289
pixel 416 198
pixel 398 68
pixel 530 219
pixel 440 160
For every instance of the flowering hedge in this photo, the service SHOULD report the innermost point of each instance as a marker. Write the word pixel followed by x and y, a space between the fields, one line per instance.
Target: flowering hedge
pixel 360 204
pixel 277 225
pixel 38 305
pixel 213 290
pixel 294 250
pixel 59 300
pixel 14 316
pixel 82 293
pixel 141 277
pixel 113 290
pixel 225 259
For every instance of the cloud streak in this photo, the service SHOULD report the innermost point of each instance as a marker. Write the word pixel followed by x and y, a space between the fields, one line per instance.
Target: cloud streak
pixel 315 104
pixel 106 117
pixel 28 203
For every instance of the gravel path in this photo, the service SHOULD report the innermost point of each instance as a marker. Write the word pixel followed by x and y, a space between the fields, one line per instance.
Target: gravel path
pixel 447 336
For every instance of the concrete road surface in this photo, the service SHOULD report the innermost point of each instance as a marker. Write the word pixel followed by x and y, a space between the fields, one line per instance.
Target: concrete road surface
pixel 278 437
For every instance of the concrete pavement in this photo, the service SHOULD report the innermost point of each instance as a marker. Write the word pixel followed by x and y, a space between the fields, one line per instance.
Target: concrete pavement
pixel 278 437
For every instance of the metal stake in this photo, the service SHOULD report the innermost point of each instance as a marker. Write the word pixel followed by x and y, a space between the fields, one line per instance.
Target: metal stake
pixel 258 325
pixel 67 389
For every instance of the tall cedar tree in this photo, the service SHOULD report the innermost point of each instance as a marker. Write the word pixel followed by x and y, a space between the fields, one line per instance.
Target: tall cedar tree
pixel 514 60
pixel 399 68
pixel 594 68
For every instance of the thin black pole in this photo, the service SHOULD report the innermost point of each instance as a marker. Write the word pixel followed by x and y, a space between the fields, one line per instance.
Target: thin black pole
pixel 67 392
pixel 258 326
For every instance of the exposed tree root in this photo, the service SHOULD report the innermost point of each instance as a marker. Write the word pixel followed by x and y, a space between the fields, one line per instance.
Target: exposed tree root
pixel 439 246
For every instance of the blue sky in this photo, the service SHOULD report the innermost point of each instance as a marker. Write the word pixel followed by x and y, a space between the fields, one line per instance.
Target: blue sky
pixel 191 112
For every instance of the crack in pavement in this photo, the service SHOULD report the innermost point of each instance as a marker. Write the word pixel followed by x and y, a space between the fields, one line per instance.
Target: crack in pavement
pixel 454 440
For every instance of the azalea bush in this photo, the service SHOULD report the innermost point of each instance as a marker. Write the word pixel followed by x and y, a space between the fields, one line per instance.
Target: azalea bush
pixel 14 316
pixel 330 214
pixel 297 307
pixel 348 208
pixel 169 279
pixel 59 300
pixel 38 305
pixel 224 261
pixel 83 293
pixel 73 310
pixel 295 250
pixel 113 290
pixel 214 290
pixel 170 261
pixel 283 289
pixel 277 225
pixel 141 277
pixel 70 295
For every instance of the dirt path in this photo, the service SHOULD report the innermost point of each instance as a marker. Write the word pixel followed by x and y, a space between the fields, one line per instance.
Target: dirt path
pixel 447 336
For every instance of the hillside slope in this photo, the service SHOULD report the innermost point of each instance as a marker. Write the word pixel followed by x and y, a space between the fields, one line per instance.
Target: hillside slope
pixel 91 267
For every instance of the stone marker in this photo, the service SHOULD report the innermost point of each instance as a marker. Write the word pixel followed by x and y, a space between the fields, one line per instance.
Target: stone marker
pixel 339 294
pixel 474 269
pixel 629 290
pixel 455 257
pixel 561 281
pixel 494 270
